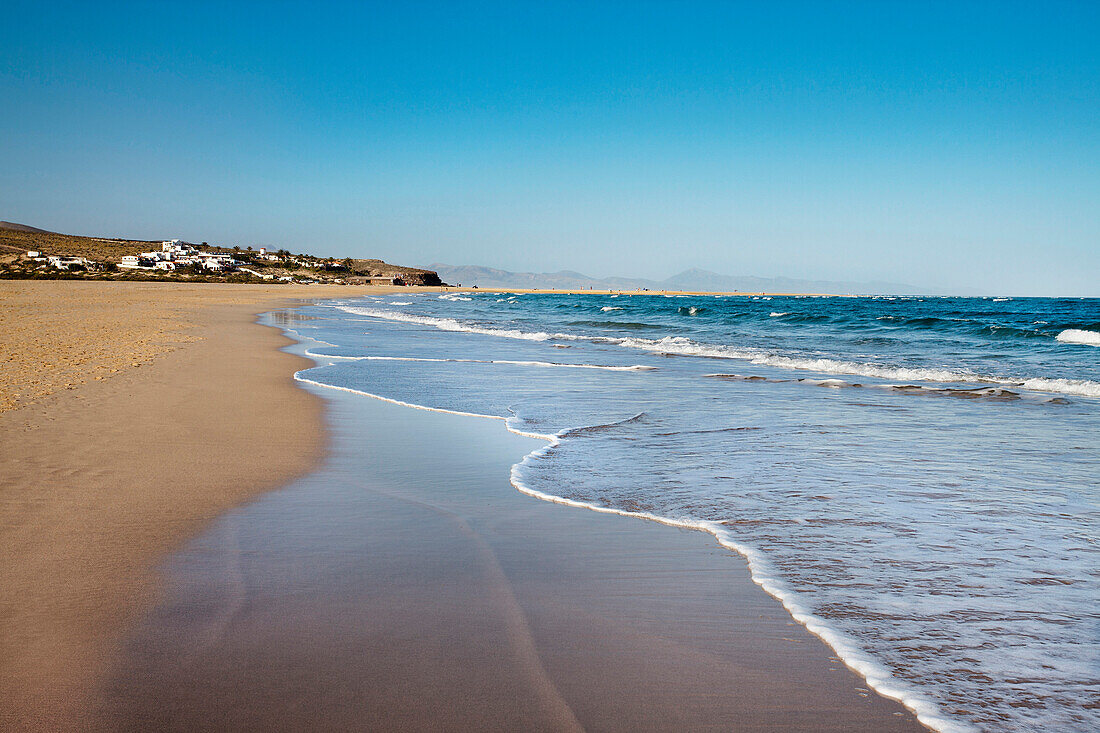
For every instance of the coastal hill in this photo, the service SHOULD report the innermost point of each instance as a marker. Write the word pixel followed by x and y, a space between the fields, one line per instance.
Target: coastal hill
pixel 104 256
pixel 689 280
pixel 21 227
pixel 21 238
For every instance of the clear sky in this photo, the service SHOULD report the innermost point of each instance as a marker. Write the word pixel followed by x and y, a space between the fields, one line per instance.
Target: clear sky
pixel 949 145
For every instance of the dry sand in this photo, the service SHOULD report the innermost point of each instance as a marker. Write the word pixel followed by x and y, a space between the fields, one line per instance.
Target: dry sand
pixel 57 335
pixel 103 479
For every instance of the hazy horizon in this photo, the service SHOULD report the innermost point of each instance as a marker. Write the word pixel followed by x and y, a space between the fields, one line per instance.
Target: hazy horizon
pixel 953 148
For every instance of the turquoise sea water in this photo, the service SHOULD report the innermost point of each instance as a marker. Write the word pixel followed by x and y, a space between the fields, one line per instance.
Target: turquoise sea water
pixel 918 480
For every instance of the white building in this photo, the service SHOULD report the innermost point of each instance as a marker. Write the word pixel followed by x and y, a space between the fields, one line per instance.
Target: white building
pixel 175 254
pixel 64 262
pixel 219 258
pixel 217 261
pixel 134 262
pixel 175 248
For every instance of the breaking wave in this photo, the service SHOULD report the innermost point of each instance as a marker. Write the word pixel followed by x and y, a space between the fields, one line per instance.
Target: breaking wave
pixel 550 364
pixel 877 676
pixel 683 346
pixel 1079 336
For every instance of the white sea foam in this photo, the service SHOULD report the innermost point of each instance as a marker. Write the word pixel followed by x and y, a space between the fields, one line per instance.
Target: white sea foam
pixel 1079 336
pixel 777 314
pixel 878 677
pixel 445 324
pixel 630 368
pixel 303 337
pixel 453 296
pixel 506 419
pixel 607 308
pixel 867 369
pixel 687 347
pixel 400 302
pixel 1081 387
pixel 548 364
pixel 847 649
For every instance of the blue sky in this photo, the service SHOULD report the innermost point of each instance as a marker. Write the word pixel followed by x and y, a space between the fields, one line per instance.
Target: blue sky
pixel 949 145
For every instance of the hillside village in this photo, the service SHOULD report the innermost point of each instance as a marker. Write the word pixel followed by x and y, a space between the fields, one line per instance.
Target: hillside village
pixel 30 253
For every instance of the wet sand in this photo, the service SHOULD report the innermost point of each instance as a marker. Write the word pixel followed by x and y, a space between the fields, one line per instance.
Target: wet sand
pixel 136 413
pixel 407 586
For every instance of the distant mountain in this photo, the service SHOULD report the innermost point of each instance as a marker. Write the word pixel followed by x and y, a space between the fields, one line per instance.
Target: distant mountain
pixel 691 280
pixel 488 277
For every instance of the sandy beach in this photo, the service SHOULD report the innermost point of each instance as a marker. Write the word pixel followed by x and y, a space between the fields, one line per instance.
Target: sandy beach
pixel 136 413
pixel 438 595
pixel 407 586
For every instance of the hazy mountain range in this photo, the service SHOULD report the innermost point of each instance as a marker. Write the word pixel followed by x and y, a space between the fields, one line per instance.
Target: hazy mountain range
pixel 693 279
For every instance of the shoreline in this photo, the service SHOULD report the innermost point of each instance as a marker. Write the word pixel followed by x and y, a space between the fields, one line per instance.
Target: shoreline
pixel 36 322
pixel 876 677
pixel 82 559
pixel 191 412
pixel 411 575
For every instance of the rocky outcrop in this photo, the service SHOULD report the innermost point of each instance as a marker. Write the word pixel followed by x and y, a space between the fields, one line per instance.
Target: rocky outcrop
pixel 407 275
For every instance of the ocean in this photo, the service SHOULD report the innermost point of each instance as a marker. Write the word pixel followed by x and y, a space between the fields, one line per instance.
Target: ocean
pixel 916 479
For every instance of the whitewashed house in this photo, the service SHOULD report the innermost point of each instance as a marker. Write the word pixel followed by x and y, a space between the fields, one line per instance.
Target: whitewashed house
pixel 64 262
pixel 175 248
pixel 217 261
pixel 137 262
